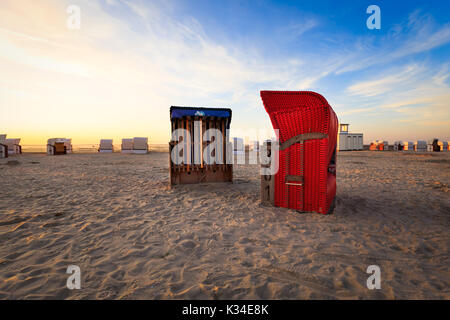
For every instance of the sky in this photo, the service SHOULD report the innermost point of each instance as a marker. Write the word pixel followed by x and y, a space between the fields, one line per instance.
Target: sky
pixel 130 60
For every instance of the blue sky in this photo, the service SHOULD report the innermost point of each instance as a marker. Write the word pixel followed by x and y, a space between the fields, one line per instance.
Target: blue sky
pixel 131 60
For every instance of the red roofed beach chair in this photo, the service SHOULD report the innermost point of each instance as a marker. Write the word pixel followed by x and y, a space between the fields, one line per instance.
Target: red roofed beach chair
pixel 308 126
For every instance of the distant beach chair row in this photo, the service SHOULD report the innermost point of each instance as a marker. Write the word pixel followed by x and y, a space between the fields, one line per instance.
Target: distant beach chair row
pixel 137 145
pixel 421 145
pixel 404 146
pixel 435 145
pixel 9 146
pixel 60 146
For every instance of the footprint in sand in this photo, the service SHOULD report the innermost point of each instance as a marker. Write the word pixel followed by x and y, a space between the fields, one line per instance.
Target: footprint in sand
pixel 187 244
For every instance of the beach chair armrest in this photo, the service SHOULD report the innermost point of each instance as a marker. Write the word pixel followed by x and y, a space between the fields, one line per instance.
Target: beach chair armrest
pixel 294 180
pixel 302 137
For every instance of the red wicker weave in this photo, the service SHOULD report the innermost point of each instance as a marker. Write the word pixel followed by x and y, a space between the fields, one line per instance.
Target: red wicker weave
pixel 313 161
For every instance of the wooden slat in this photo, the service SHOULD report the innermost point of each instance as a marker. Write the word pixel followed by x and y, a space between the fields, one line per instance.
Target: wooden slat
pixel 201 142
pixel 188 145
pixel 208 126
pixel 223 144
pixel 178 127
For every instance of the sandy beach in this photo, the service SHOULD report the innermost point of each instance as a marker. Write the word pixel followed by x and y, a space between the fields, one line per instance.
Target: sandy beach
pixel 133 237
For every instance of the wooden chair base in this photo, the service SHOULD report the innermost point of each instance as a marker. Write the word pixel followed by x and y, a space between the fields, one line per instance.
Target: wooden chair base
pixel 202 175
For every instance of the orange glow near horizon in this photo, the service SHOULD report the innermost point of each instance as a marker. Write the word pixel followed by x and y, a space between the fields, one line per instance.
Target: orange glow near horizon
pixel 87 137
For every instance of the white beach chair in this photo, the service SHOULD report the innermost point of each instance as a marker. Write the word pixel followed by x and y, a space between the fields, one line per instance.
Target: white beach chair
pixel 253 154
pixel 3 151
pixel 106 146
pixel 238 146
pixel 55 143
pixel 443 145
pixel 434 145
pixel 127 146
pixel 430 145
pixel 68 145
pixel 254 146
pixel 140 145
pixel 3 146
pixel 50 146
pixel 398 145
pixel 420 145
pixel 408 146
pixel 14 146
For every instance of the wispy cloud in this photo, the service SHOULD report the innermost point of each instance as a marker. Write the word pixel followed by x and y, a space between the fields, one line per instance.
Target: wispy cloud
pixel 418 34
pixel 416 95
pixel 296 30
pixel 396 80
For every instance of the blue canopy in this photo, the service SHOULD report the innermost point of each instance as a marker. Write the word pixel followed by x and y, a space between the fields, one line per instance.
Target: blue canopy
pixel 179 112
